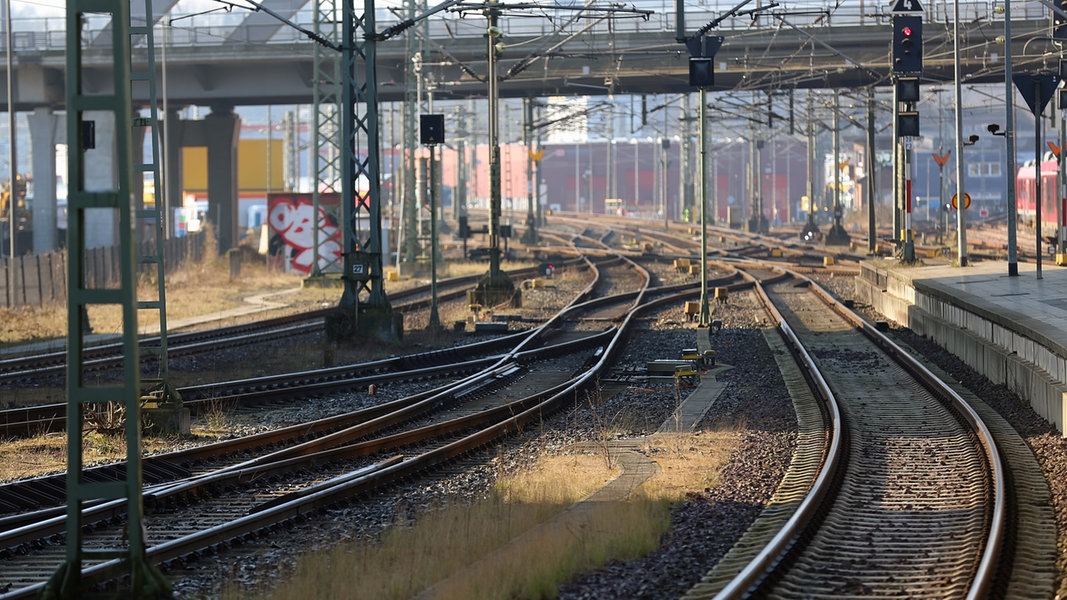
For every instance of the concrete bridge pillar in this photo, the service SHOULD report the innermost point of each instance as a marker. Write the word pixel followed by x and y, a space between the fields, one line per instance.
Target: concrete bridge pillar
pixel 46 130
pixel 219 131
pixel 222 132
pixel 171 162
pixel 101 224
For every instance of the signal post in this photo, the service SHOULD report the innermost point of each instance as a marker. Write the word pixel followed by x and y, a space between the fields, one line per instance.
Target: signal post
pixel 907 65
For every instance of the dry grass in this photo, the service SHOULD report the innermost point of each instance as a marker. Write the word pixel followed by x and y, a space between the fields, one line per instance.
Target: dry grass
pixel 203 288
pixel 411 557
pixel 687 462
pixel 46 454
pixel 198 288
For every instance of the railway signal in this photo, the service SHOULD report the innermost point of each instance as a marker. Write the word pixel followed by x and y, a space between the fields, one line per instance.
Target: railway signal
pixel 701 72
pixel 432 134
pixel 1059 20
pixel 908 124
pixel 907 89
pixel 907 44
pixel 432 129
pixel 701 60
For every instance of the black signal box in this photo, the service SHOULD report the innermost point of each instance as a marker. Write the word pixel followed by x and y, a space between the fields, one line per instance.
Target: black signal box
pixel 701 72
pixel 432 129
pixel 907 89
pixel 907 44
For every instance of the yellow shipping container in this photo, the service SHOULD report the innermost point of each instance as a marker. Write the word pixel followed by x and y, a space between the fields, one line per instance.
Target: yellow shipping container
pixel 252 167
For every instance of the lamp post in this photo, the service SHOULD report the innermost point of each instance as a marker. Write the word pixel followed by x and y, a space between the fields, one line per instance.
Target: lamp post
pixel 435 320
pixel 961 216
pixel 634 143
pixel 961 200
pixel 12 166
pixel 1009 139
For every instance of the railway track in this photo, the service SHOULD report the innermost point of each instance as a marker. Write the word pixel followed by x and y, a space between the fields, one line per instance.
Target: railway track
pixel 47 368
pixel 541 373
pixel 254 393
pixel 893 524
pixel 251 392
pixel 31 368
pixel 908 497
pixel 34 420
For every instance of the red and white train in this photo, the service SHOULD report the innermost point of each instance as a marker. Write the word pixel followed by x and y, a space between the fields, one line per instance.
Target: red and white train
pixel 1026 192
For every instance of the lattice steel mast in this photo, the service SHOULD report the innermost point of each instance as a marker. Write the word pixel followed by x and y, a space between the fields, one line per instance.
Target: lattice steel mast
pixel 145 581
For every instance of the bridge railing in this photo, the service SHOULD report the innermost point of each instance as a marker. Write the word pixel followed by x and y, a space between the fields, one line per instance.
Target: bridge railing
pixel 218 29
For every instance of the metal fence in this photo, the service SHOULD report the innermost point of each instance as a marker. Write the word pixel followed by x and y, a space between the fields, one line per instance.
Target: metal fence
pixel 42 278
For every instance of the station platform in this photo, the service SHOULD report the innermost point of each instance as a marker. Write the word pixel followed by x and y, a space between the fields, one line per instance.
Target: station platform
pixel 1013 329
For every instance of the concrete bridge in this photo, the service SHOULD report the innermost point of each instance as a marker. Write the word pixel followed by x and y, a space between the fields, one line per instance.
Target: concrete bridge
pixel 257 60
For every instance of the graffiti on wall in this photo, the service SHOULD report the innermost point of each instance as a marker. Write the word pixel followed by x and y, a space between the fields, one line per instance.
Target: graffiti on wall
pixel 291 218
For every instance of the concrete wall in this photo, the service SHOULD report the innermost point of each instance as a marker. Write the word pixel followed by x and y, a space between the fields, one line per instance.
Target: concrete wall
pixel 1007 352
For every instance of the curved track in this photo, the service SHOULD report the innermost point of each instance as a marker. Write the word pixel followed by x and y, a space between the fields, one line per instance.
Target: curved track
pixel 896 493
pixel 909 499
pixel 29 368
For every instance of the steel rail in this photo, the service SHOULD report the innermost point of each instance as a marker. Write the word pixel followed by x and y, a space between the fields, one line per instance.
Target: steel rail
pixel 106 355
pixel 408 467
pixel 33 420
pixel 276 388
pixel 987 571
pixel 33 492
pixel 761 566
pixel 772 553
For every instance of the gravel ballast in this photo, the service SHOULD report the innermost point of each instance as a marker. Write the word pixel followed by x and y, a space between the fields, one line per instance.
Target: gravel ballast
pixel 704 525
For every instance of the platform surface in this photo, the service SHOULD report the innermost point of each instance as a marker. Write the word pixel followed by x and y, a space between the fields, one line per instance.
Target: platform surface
pixel 1023 302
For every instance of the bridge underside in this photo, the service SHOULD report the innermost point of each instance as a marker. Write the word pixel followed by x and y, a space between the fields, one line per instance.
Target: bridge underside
pixel 592 64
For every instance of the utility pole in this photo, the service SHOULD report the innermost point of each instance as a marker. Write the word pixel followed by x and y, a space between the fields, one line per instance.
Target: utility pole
pixel 811 229
pixel 496 286
pixel 409 204
pixel 837 234
pixel 872 234
pixel 143 579
pixel 961 195
pixel 1009 144
pixel 533 158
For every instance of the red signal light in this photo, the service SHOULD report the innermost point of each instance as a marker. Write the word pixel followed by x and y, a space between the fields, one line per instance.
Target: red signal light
pixel 907 49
